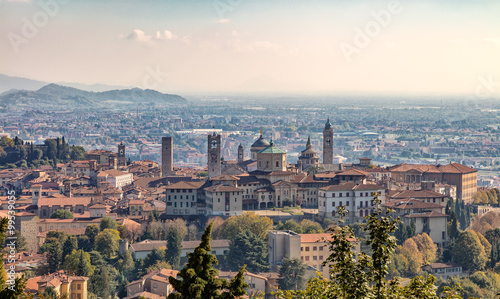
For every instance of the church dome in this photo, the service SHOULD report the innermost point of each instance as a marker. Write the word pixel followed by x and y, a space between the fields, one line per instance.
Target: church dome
pixel 261 142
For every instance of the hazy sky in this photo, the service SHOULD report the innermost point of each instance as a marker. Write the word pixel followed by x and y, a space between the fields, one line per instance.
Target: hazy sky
pixel 283 46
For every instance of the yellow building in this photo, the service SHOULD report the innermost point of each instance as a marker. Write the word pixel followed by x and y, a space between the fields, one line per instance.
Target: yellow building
pixel 75 287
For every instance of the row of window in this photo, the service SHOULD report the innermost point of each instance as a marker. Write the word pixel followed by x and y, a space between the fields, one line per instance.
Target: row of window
pixel 181 211
pixel 347 203
pixel 183 190
pixel 180 204
pixel 180 197
pixel 314 258
pixel 347 194
pixel 361 213
pixel 314 248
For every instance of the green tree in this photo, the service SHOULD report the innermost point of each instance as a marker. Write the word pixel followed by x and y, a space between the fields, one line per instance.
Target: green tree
pixel 77 153
pixel 174 248
pixel 54 255
pixel 468 251
pixel 49 292
pixel 126 262
pixel 106 242
pixel 289 225
pixel 69 245
pixel 247 221
pixel 311 227
pixel 78 262
pixel 250 250
pixel 198 278
pixel 62 214
pixel 291 273
pixel 108 223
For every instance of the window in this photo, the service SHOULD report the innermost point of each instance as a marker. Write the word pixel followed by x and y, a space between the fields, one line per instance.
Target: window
pixel 340 194
pixel 333 213
pixel 301 248
pixel 366 193
pixel 366 203
pixel 315 258
pixel 315 248
pixel 360 213
pixel 443 235
pixel 155 285
pixel 347 203
pixel 277 164
pixel 333 194
pixel 301 258
pixel 340 203
pixel 78 286
pixel 361 194
pixel 360 204
pixel 307 258
pixel 307 248
pixel 180 197
pixel 333 203
pixel 320 248
pixel 347 194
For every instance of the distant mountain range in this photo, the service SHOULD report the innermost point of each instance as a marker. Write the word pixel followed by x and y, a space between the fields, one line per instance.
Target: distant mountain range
pixel 58 95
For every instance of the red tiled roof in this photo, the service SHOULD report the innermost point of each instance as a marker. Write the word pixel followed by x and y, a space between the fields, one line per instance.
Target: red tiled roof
pixel 223 188
pixel 426 214
pixel 185 185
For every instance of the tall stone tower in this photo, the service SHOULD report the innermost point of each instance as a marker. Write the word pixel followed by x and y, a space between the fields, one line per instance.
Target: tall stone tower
pixel 328 143
pixel 122 161
pixel 214 155
pixel 241 153
pixel 167 156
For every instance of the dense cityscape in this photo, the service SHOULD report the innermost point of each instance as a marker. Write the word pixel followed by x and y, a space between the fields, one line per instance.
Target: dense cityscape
pixel 249 149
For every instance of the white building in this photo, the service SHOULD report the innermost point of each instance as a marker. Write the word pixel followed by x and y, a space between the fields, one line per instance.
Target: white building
pixel 182 198
pixel 356 198
pixel 224 200
pixel 115 177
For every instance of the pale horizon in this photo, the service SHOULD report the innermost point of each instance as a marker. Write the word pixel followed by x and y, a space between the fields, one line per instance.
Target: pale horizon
pixel 258 47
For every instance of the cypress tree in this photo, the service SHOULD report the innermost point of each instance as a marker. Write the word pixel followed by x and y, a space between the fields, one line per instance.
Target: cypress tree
pixel 198 279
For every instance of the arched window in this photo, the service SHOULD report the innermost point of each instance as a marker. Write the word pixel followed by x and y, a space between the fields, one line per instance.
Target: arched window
pixel 333 213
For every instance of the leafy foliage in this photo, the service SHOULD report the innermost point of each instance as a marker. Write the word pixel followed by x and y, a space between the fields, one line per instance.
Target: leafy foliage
pixel 259 226
pixel 62 214
pixel 248 249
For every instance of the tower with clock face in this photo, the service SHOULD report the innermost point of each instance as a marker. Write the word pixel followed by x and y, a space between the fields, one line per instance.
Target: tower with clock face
pixel 167 156
pixel 122 161
pixel 328 143
pixel 214 155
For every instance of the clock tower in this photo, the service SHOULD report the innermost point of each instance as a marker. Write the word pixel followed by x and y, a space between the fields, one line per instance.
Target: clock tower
pixel 122 160
pixel 214 155
pixel 328 143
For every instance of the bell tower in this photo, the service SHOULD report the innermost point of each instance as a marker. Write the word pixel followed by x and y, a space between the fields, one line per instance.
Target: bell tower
pixel 328 143
pixel 241 153
pixel 214 155
pixel 167 156
pixel 122 161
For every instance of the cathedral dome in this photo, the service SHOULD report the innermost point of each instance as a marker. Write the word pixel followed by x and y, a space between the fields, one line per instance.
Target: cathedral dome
pixel 261 142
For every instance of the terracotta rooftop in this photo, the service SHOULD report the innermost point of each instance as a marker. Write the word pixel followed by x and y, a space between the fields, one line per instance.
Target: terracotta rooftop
pixel 223 188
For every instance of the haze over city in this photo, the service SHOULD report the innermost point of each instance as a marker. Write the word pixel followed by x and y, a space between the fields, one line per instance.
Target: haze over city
pixel 280 47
